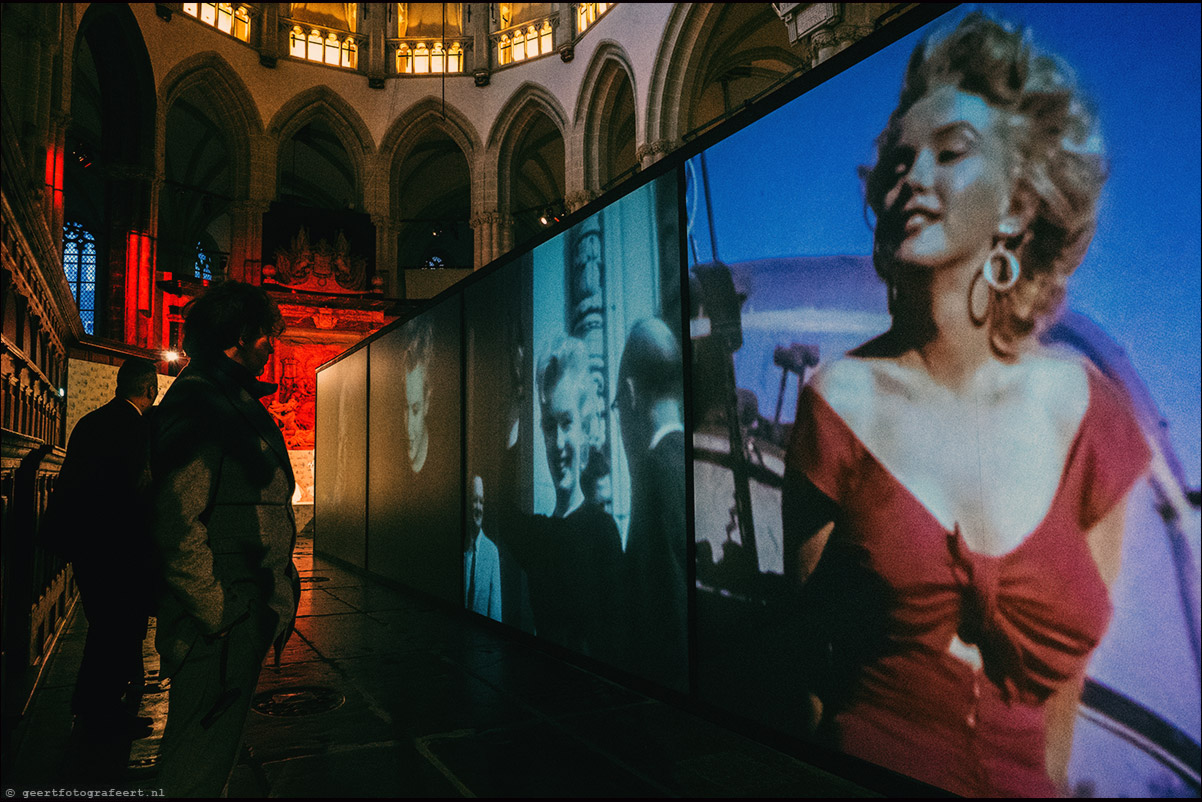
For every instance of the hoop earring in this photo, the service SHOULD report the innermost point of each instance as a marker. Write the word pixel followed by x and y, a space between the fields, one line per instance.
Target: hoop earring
pixel 1013 269
pixel 983 318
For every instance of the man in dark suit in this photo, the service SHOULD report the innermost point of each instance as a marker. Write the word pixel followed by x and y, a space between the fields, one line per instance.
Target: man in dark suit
pixel 225 531
pixel 649 401
pixel 99 514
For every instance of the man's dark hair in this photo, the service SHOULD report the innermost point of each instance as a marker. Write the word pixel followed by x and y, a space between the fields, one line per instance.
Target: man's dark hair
pixel 136 377
pixel 228 314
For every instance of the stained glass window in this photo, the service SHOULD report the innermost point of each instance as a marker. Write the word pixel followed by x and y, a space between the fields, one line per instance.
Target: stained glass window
pixel 79 263
pixel 203 266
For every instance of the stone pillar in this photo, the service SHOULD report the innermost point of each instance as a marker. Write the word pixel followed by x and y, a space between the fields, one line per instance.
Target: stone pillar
pixel 649 153
pixel 375 48
pixel 585 280
pixel 492 236
pixel 246 253
pixel 386 255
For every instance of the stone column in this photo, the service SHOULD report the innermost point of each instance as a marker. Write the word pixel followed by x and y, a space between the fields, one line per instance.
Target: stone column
pixel 649 153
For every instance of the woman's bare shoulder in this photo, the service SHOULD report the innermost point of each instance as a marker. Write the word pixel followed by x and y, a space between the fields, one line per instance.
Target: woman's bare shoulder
pixel 1056 383
pixel 852 386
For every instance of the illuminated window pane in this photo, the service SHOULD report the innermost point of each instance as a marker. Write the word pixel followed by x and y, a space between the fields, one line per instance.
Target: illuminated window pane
pixel 79 265
pixel 202 267
pixel 455 59
pixel 544 38
pixel 296 43
pixel 505 53
pixel 519 46
pixel 421 59
pixel 404 59
pixel 242 24
pixel 437 58
pixel 208 13
pixel 316 45
pixel 225 18
pixel 191 9
pixel 349 53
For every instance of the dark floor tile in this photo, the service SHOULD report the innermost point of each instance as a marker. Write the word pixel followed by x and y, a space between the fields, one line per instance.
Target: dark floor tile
pixel 424 694
pixel 354 721
pixel 318 601
pixel 380 770
pixel 370 598
pixel 347 635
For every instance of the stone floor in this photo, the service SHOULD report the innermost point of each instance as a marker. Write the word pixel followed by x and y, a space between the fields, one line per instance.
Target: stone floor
pixel 381 694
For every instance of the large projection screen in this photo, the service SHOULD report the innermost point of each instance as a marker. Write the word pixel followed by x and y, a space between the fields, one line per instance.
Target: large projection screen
pixel 787 286
pixel 414 474
pixel 340 473
pixel 577 484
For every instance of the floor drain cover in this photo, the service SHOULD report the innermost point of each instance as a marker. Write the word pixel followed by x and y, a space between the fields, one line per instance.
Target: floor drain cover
pixel 304 579
pixel 299 700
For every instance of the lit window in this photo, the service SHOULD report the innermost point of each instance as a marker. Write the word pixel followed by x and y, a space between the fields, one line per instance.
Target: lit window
pixel 404 59
pixel 296 43
pixel 225 17
pixel 519 46
pixel 455 59
pixel 588 13
pixel 421 59
pixel 316 45
pixel 202 267
pixel 79 263
pixel 504 50
pixel 242 24
pixel 544 37
pixel 333 52
pixel 350 53
pixel 438 59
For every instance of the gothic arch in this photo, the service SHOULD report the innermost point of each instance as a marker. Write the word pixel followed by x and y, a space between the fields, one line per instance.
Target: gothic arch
pixel 528 105
pixel 609 83
pixel 422 118
pixel 212 77
pixel 702 44
pixel 324 104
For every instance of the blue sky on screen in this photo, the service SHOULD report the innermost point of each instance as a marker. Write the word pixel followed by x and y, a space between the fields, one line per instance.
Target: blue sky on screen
pixel 787 185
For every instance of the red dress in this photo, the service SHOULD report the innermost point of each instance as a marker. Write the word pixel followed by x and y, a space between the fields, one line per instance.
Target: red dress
pixel 1036 612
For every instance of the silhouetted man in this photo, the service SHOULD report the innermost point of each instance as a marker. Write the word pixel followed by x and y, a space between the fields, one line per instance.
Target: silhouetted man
pixel 649 401
pixel 101 520
pixel 225 530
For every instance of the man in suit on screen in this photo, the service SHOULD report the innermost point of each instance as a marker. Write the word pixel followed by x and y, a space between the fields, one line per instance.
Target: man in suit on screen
pixel 649 402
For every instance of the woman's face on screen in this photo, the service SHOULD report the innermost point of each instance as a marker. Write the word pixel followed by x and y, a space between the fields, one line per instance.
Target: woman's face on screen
pixel 563 432
pixel 951 185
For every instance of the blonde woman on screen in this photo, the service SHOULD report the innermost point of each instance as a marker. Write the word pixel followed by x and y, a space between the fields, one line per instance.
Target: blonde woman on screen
pixel 971 482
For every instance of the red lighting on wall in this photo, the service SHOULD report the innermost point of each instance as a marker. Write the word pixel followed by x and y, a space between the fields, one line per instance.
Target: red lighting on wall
pixel 54 176
pixel 139 279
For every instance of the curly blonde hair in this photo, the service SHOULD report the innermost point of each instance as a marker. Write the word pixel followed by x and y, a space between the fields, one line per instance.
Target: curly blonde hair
pixel 1055 150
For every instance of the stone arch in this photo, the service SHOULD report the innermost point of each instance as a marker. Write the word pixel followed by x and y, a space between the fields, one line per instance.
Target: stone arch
pixel 607 80
pixel 323 103
pixel 426 115
pixel 702 43
pixel 109 180
pixel 437 148
pixel 530 108
pixel 212 76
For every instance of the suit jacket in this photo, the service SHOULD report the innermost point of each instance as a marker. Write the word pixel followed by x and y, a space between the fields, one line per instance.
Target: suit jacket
pixel 223 519
pixel 655 558
pixel 98 515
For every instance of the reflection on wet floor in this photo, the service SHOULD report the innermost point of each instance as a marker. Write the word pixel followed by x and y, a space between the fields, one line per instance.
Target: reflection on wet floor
pixel 383 694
